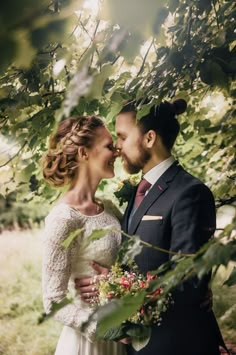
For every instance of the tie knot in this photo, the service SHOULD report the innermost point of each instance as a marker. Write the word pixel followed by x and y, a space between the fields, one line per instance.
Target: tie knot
pixel 143 186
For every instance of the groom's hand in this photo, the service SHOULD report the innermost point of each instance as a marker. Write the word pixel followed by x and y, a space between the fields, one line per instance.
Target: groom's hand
pixel 87 286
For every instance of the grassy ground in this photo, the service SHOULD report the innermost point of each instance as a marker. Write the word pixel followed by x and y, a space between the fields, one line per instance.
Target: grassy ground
pixel 21 306
pixel 225 305
pixel 20 297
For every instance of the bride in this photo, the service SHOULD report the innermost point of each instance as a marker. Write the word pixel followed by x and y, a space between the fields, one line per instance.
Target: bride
pixel 80 154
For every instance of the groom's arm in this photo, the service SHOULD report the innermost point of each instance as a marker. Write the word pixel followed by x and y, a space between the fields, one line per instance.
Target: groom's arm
pixel 193 219
pixel 193 224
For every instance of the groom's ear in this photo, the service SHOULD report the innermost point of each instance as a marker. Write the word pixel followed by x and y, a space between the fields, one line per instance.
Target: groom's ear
pixel 150 138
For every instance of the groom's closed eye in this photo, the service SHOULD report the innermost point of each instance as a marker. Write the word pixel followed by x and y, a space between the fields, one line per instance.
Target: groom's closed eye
pixel 121 136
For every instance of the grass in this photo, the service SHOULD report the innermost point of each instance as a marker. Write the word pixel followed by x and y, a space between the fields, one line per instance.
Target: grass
pixel 21 304
pixel 20 298
pixel 225 304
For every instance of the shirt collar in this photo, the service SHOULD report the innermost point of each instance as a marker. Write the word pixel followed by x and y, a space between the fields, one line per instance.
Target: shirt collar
pixel 155 173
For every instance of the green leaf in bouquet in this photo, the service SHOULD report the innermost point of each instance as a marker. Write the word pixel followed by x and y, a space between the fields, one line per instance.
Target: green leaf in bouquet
pixel 117 311
pixel 74 234
pixel 140 336
pixel 154 285
pixel 112 287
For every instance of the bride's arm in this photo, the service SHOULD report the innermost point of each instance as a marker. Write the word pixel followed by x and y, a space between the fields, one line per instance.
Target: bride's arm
pixel 56 272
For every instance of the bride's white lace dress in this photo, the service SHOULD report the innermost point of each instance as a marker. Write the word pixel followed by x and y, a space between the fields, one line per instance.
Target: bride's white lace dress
pixel 62 265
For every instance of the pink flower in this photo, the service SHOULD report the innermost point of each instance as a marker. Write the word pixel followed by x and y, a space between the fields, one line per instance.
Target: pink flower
pixel 110 295
pixel 155 293
pixel 132 276
pixel 142 311
pixel 125 283
pixel 142 284
pixel 151 277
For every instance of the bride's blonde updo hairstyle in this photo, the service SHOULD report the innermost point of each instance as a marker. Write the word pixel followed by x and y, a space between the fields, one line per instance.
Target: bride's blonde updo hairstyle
pixel 60 163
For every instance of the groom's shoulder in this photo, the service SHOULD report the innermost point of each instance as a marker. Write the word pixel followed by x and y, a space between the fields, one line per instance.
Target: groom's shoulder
pixel 186 179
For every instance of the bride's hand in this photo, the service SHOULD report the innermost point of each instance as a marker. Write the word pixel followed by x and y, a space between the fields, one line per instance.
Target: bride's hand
pixel 87 286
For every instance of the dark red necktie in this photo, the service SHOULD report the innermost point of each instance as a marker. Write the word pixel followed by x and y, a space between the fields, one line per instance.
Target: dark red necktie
pixel 143 186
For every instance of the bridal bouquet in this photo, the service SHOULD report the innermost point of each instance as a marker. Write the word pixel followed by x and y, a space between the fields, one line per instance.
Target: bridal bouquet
pixel 121 284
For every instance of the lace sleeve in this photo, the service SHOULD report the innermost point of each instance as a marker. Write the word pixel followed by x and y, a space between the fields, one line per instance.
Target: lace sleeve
pixel 56 271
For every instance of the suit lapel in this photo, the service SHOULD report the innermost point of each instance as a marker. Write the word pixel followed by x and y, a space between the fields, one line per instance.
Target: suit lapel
pixel 128 210
pixel 156 191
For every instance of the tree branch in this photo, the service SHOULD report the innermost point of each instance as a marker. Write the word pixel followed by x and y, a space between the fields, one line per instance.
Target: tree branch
pixel 225 201
pixel 52 51
pixel 233 178
pixel 3 122
pixel 7 162
pixel 190 21
pixel 56 6
pixel 92 40
pixel 148 245
pixel 217 20
pixel 145 57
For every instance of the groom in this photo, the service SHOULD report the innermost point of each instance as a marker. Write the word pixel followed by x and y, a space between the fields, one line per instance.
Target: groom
pixel 175 211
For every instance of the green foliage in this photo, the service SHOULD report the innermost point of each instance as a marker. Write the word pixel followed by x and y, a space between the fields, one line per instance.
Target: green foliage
pixel 55 62
pixel 117 311
pixel 56 306
pixel 99 233
pixel 232 278
pixel 21 303
pixel 140 336
pixel 75 234
pixel 22 214
pixel 81 63
pixel 125 192
pixel 185 268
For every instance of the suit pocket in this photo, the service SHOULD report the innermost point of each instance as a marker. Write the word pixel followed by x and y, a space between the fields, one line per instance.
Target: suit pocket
pixel 152 223
pixel 152 218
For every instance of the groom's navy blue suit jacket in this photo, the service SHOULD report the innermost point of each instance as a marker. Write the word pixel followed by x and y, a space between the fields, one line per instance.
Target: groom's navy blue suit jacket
pixel 177 214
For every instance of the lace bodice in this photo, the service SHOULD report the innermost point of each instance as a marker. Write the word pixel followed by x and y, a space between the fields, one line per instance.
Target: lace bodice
pixel 62 265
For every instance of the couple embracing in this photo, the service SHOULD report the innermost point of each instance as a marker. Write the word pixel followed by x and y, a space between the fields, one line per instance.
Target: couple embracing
pixel 181 217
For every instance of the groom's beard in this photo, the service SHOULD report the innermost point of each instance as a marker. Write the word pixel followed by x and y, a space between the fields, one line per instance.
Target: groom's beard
pixel 133 167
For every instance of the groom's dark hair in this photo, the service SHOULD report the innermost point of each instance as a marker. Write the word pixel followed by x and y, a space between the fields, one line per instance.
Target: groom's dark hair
pixel 161 118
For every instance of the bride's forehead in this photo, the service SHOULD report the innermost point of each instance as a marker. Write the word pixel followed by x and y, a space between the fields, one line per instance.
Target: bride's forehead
pixel 102 134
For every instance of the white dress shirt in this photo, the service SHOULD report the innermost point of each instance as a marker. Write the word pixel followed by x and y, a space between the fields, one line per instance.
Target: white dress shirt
pixel 155 173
